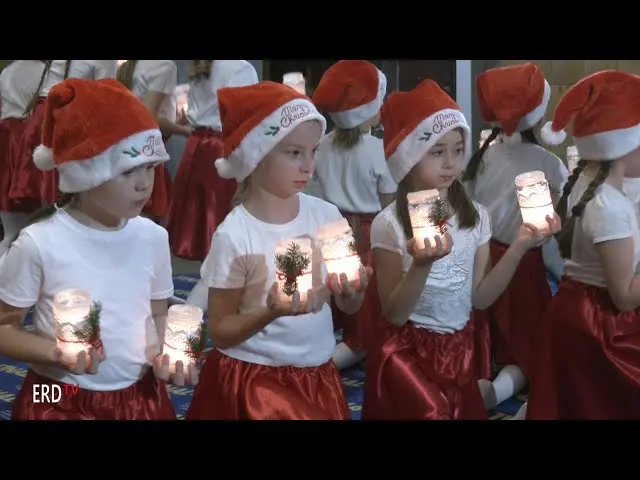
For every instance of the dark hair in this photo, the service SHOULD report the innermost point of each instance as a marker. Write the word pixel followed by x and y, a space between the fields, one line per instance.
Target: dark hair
pixel 474 167
pixel 34 98
pixel 125 73
pixel 200 69
pixel 459 199
pixel 347 138
pixel 565 235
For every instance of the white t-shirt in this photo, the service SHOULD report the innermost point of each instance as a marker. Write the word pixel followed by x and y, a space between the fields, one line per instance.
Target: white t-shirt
pixel 242 256
pixel 123 269
pixel 157 76
pixel 610 215
pixel 631 188
pixel 203 108
pixel 445 303
pixel 18 83
pixel 495 188
pixel 87 69
pixel 352 179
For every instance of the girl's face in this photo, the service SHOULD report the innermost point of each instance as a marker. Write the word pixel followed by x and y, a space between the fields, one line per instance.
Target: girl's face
pixel 287 169
pixel 442 164
pixel 124 196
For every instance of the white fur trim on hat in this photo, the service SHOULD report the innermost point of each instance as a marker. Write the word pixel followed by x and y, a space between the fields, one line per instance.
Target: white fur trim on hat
pixel 139 149
pixel 265 136
pixel 610 145
pixel 357 116
pixel 551 137
pixel 43 158
pixel 424 137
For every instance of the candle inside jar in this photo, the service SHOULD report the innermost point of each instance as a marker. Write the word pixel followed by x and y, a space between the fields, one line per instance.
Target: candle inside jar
pixel 303 279
pixel 70 310
pixel 183 323
pixel 338 247
pixel 534 198
pixel 421 207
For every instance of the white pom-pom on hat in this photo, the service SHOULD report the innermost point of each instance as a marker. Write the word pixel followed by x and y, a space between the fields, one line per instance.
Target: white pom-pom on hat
pixel 225 168
pixel 43 158
pixel 552 137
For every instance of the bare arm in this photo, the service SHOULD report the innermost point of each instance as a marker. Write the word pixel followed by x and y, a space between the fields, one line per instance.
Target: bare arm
pixel 386 199
pixel 621 280
pixel 152 101
pixel 399 292
pixel 226 325
pixel 20 344
pixel 160 312
pixel 489 283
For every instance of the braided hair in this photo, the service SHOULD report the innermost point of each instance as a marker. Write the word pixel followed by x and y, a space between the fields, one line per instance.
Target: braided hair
pixel 34 98
pixel 475 163
pixel 565 235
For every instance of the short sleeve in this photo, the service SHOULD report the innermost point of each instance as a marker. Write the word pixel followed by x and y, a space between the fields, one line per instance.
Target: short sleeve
pixel 386 184
pixel 225 265
pixel 556 174
pixel 241 76
pixel 162 283
pixel 163 77
pixel 21 273
pixel 385 234
pixel 484 227
pixel 105 69
pixel 607 218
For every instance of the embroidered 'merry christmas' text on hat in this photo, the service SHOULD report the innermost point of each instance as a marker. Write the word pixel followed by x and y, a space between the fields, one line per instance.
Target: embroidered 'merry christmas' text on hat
pixel 513 98
pixel 95 130
pixel 605 108
pixel 255 119
pixel 414 122
pixel 351 92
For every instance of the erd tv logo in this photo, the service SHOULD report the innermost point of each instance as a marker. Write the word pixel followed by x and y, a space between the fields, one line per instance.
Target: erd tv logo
pixel 44 393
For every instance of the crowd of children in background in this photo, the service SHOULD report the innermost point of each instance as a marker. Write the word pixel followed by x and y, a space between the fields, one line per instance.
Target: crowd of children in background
pixel 449 318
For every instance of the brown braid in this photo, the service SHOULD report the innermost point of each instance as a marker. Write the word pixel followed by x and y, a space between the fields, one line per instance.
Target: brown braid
pixel 565 235
pixel 200 69
pixel 34 99
pixel 475 163
pixel 67 68
pixel 347 138
pixel 561 207
pixel 125 73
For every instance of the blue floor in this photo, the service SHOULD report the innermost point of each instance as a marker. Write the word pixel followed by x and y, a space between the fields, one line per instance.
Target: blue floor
pixel 12 373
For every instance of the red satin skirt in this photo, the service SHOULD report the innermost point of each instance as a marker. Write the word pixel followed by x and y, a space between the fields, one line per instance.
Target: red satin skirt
pixel 361 328
pixel 11 145
pixel 482 357
pixel 516 315
pixel 147 399
pixel 589 366
pixel 418 374
pixel 201 199
pixel 231 389
pixel 29 182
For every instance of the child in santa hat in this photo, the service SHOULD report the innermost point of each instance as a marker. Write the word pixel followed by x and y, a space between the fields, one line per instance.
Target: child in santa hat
pixel 201 199
pixel 18 81
pixel 273 356
pixel 589 367
pixel 33 183
pixel 513 100
pixel 154 83
pixel 353 175
pixel 425 366
pixel 105 145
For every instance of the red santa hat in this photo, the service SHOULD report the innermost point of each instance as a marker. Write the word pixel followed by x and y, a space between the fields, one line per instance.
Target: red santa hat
pixel 413 123
pixel 605 108
pixel 255 119
pixel 513 98
pixel 351 92
pixel 95 130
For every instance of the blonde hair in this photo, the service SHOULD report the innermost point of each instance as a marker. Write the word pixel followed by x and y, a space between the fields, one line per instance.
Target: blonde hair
pixel 347 138
pixel 242 192
pixel 200 69
pixel 125 73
